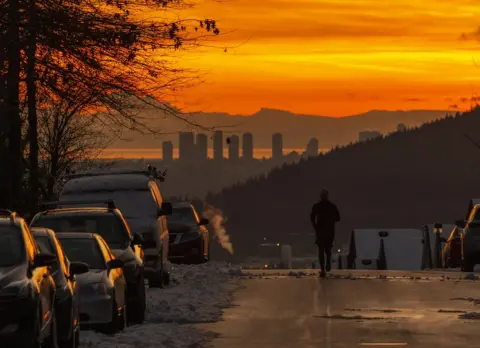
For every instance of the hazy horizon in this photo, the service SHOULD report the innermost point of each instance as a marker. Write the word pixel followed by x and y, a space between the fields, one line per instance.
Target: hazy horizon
pixel 156 153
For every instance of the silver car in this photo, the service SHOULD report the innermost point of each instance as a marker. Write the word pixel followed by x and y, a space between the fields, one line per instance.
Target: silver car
pixel 102 289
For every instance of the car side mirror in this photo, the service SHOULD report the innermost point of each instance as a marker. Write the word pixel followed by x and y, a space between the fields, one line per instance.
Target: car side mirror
pixel 166 209
pixel 78 268
pixel 138 239
pixel 115 264
pixel 44 260
pixel 203 222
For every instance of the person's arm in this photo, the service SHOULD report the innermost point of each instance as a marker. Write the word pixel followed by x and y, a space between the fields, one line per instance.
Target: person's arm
pixel 337 214
pixel 313 216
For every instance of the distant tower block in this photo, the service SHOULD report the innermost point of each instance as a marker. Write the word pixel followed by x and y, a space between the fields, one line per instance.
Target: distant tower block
pixel 218 145
pixel 277 146
pixel 247 146
pixel 234 148
pixel 202 147
pixel 167 151
pixel 312 147
pixel 186 146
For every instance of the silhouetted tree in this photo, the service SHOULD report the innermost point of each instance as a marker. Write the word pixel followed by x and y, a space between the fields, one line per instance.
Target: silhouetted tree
pixel 68 136
pixel 104 47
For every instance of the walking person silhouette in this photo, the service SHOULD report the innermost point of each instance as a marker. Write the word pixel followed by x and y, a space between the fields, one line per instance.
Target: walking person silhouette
pixel 324 216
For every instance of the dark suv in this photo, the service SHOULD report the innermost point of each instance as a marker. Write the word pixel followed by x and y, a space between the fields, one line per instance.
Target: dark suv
pixel 27 289
pixel 109 223
pixel 189 238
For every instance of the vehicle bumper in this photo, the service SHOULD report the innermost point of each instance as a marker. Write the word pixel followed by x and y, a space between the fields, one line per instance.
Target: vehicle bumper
pixel 95 309
pixel 17 318
pixel 185 251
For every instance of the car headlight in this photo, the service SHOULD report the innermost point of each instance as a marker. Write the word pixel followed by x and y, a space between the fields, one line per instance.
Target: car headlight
pixel 17 290
pixel 96 289
pixel 190 236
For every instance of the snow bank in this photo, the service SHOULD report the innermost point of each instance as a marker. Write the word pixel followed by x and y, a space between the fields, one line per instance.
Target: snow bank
pixel 198 294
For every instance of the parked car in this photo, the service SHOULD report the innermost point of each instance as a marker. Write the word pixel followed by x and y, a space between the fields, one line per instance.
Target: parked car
pixel 27 289
pixel 109 223
pixel 102 289
pixel 452 250
pixel 188 236
pixel 470 240
pixel 66 296
pixel 137 195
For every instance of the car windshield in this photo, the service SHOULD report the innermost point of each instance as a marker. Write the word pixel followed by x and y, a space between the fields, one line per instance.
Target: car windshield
pixel 184 215
pixel 132 203
pixel 83 250
pixel 12 248
pixel 107 225
pixel 46 247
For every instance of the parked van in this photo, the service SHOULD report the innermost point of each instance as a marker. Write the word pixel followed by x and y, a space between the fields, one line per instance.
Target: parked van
pixel 137 195
pixel 402 249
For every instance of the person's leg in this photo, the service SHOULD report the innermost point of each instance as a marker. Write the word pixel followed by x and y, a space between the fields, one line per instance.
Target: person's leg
pixel 321 255
pixel 328 254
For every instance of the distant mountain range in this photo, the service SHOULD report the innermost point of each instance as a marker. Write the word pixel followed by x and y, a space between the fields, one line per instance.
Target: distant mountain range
pixel 404 180
pixel 296 128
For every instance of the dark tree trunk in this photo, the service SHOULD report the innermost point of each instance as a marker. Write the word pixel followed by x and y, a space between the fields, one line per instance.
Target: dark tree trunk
pixel 13 108
pixel 33 179
pixel 4 164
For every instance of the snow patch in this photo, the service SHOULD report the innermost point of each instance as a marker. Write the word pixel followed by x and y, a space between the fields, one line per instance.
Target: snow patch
pixel 198 294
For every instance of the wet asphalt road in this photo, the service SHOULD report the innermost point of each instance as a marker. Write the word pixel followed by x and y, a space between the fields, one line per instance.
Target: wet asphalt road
pixel 364 311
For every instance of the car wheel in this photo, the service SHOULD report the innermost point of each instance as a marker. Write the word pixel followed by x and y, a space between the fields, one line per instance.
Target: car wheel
pixel 72 341
pixel 77 337
pixel 136 313
pixel 113 326
pixel 122 320
pixel 34 341
pixel 156 280
pixel 166 278
pixel 52 339
pixel 467 266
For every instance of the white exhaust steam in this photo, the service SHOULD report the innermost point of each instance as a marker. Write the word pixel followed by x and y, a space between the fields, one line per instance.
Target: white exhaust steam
pixel 216 221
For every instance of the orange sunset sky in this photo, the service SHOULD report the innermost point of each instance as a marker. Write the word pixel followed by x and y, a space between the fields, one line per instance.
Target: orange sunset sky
pixel 337 57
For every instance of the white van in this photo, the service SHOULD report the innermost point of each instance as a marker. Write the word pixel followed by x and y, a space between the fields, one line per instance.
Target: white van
pixel 137 195
pixel 403 248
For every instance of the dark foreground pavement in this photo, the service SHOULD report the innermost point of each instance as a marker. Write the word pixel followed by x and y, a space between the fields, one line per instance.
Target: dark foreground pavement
pixel 331 313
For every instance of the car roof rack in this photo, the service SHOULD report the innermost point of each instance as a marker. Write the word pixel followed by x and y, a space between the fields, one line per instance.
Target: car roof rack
pixel 8 213
pixel 109 202
pixel 150 172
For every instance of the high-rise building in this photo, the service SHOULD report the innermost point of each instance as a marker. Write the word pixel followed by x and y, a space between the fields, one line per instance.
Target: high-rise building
pixel 167 151
pixel 218 145
pixel 312 147
pixel 186 146
pixel 234 148
pixel 247 146
pixel 277 146
pixel 201 147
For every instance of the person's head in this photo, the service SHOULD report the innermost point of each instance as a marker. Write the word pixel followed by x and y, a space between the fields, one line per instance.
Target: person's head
pixel 324 195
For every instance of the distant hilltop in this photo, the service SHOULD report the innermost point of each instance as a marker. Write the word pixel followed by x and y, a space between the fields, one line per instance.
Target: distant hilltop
pixel 295 128
pixel 404 180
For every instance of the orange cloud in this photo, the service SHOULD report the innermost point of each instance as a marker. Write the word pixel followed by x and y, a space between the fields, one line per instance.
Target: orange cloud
pixel 310 56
